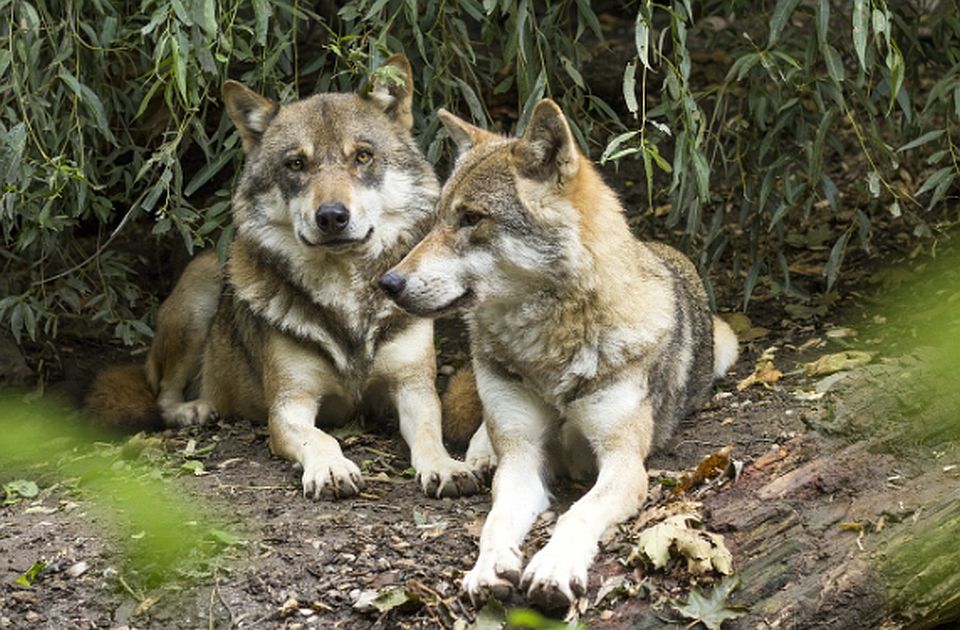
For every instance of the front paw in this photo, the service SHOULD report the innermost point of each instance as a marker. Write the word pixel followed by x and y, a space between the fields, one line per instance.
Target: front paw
pixel 449 478
pixel 191 413
pixel 555 578
pixel 494 575
pixel 333 478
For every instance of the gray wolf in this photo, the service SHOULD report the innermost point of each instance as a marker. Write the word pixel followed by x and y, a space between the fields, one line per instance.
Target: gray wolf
pixel 588 346
pixel 293 328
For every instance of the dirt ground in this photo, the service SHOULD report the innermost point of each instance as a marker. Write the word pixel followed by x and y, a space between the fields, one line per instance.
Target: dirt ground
pixel 300 563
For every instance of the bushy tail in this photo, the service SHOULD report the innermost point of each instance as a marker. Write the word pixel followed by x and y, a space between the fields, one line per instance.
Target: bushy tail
pixel 725 347
pixel 120 398
pixel 462 410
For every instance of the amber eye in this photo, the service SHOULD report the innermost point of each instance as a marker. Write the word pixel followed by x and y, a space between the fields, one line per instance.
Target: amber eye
pixel 469 218
pixel 295 164
pixel 363 157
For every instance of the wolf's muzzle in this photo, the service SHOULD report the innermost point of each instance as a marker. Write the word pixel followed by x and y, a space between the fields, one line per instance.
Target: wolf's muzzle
pixel 332 218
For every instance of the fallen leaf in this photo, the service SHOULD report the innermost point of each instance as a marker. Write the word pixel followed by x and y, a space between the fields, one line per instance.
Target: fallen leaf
pixel 30 575
pixel 764 372
pixel 738 322
pixel 145 605
pixel 224 539
pixel 19 489
pixel 704 550
pixel 491 617
pixel 841 332
pixel 712 610
pixel 194 466
pixel 392 598
pixel 836 362
pixel 712 465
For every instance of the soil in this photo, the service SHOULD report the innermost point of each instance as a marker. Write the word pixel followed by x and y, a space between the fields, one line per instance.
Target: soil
pixel 300 563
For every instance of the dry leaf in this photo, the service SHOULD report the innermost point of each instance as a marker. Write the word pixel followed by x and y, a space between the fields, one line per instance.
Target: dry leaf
pixel 764 372
pixel 836 362
pixel 710 466
pixel 704 550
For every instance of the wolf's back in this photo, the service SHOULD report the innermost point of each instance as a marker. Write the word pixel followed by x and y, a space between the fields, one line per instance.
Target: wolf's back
pixel 120 398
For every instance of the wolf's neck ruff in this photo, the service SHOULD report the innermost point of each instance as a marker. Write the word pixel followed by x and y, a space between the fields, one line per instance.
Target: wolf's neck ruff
pixel 347 330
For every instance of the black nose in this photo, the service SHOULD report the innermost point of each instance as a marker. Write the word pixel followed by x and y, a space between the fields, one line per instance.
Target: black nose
pixel 332 218
pixel 392 283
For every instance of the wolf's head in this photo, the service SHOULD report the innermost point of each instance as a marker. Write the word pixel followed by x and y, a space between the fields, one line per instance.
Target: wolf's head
pixel 513 217
pixel 333 172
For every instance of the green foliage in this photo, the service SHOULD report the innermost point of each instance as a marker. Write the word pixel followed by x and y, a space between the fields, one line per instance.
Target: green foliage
pixel 111 127
pixel 812 94
pixel 713 609
pixel 112 135
pixel 164 533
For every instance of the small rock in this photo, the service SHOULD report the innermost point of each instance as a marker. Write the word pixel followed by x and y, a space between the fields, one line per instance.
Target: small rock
pixel 447 370
pixel 26 597
pixel 364 600
pixel 77 569
pixel 32 616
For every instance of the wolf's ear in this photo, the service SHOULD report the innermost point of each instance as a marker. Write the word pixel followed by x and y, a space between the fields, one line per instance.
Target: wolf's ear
pixel 393 89
pixel 463 133
pixel 249 111
pixel 546 149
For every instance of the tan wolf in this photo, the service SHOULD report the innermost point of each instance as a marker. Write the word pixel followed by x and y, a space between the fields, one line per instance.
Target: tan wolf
pixel 293 328
pixel 588 346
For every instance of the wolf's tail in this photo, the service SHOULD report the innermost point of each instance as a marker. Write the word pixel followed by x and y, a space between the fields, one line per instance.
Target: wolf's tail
pixel 462 410
pixel 120 398
pixel 725 348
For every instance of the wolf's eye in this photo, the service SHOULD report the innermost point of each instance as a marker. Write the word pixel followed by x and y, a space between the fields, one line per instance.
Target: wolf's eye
pixel 469 218
pixel 363 157
pixel 295 164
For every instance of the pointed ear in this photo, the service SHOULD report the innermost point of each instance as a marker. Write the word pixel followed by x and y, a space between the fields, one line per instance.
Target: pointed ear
pixel 393 89
pixel 465 135
pixel 249 111
pixel 547 148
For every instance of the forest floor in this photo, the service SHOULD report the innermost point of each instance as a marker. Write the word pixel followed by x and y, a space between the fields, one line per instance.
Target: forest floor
pixel 797 487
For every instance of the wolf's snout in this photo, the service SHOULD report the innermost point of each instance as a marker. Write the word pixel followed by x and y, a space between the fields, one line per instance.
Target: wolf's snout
pixel 332 218
pixel 392 283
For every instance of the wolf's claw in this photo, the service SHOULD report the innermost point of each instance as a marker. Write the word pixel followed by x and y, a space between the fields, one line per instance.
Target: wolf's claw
pixel 494 575
pixel 450 478
pixel 332 480
pixel 555 578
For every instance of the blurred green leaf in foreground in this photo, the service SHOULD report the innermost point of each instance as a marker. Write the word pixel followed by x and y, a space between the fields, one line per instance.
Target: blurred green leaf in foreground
pixel 164 532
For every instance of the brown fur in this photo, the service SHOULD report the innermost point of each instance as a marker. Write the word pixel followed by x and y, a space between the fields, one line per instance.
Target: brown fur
pixel 120 398
pixel 462 410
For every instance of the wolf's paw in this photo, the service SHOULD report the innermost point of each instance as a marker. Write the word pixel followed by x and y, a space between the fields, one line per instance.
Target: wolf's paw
pixel 191 413
pixel 335 478
pixel 485 464
pixel 449 478
pixel 494 575
pixel 555 578
pixel 480 456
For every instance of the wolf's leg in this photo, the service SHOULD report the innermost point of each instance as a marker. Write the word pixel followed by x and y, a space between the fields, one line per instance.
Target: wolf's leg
pixel 295 381
pixel 480 455
pixel 408 363
pixel 183 325
pixel 418 407
pixel 518 424
pixel 619 424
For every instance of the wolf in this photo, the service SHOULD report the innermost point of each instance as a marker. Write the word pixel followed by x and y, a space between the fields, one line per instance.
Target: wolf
pixel 293 328
pixel 588 346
